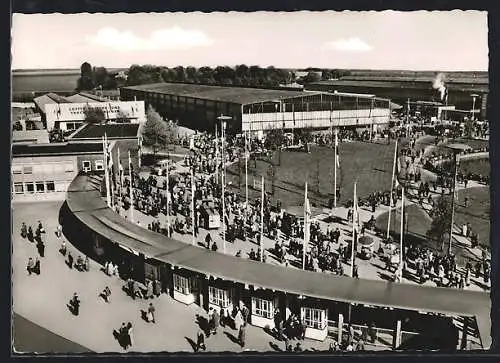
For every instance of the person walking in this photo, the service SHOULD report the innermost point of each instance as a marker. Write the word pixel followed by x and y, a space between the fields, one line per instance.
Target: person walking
pixel 87 263
pixel 70 260
pixel 216 318
pixel 129 339
pixel 31 265
pixel 242 335
pixel 36 269
pixel 200 341
pixel 75 304
pixel 151 313
pixel 41 248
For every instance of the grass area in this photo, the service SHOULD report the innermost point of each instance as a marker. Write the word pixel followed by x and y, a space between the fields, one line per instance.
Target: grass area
pixel 368 163
pixel 475 166
pixel 477 212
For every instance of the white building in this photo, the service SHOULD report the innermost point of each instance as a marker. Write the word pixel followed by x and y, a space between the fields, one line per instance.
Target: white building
pixel 68 113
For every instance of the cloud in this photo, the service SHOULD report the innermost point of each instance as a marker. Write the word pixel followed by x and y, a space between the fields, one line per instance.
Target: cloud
pixel 164 39
pixel 347 45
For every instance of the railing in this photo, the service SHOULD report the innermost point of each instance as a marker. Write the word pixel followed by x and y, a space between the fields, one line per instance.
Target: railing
pixel 381 338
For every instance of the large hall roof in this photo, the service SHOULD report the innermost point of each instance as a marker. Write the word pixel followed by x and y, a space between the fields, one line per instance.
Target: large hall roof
pixel 238 95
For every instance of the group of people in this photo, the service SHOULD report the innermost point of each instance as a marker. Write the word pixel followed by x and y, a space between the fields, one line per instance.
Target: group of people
pixel 33 265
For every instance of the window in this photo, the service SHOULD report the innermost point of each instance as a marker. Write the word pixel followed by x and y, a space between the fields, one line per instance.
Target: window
pixel 99 165
pixel 30 187
pixel 18 188
pixel 28 170
pixel 218 297
pixel 86 165
pixel 181 284
pixel 40 186
pixel 68 167
pixel 314 318
pixel 50 186
pixel 263 308
pixel 17 169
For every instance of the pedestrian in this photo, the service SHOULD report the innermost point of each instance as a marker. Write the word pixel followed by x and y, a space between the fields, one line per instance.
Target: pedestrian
pixel 242 335
pixel 129 341
pixel 106 293
pixel 24 231
pixel 355 272
pixel 31 265
pixel 200 341
pixel 70 260
pixel 87 263
pixel 350 336
pixel 361 345
pixel 36 269
pixel 298 348
pixel 216 318
pixel 75 304
pixel 151 313
pixel 41 248
pixel 63 249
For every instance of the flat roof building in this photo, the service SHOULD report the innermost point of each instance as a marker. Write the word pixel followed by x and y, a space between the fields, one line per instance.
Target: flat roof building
pixel 256 109
pixel 69 113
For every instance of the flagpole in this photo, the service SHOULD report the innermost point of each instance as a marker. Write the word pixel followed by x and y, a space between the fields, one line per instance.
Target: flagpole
pixel 306 232
pixel 106 170
pixel 261 219
pixel 216 156
pixel 354 228
pixel 392 188
pixel 453 203
pixel 120 175
pixel 192 205
pixel 246 172
pixel 168 197
pixel 401 232
pixel 223 180
pixel 131 188
pixel 335 171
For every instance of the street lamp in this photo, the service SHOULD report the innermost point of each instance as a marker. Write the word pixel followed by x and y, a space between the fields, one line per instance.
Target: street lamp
pixel 473 105
pixel 223 119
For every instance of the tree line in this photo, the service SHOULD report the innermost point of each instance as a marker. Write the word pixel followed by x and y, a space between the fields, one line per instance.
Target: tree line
pixel 240 75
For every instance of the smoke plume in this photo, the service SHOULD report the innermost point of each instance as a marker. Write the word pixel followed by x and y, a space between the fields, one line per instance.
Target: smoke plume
pixel 439 84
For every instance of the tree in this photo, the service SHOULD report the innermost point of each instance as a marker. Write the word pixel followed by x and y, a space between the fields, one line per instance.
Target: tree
pixel 94 115
pixel 122 118
pixel 85 82
pixel 274 141
pixel 155 131
pixel 441 221
pixel 311 77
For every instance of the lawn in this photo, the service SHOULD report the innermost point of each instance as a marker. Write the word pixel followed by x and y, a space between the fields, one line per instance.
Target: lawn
pixel 477 214
pixel 368 163
pixel 475 166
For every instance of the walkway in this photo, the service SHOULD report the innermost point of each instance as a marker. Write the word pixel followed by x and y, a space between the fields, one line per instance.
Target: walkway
pixel 42 300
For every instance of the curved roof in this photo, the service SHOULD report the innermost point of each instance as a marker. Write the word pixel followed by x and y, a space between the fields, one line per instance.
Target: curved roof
pixel 86 204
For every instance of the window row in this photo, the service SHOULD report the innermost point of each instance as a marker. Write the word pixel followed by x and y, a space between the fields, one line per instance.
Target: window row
pixel 98 165
pixel 219 297
pixel 43 168
pixel 262 308
pixel 73 125
pixel 37 187
pixel 314 318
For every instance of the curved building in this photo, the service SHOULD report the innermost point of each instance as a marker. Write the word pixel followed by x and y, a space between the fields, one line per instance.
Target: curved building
pixel 195 275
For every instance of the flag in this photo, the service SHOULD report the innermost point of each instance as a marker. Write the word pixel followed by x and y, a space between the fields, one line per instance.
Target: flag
pixel 337 156
pixel 120 169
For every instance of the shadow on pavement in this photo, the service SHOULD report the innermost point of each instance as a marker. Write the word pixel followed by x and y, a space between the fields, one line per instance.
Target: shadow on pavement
pixel 275 347
pixel 232 338
pixel 193 345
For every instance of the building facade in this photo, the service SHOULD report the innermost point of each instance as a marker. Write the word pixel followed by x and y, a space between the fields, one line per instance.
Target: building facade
pixel 69 113
pixel 43 172
pixel 259 110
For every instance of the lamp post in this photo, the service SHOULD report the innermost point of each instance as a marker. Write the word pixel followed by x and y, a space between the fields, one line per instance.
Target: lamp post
pixel 223 119
pixel 473 106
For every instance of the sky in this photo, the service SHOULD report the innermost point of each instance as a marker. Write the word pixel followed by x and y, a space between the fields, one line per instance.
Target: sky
pixel 421 40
